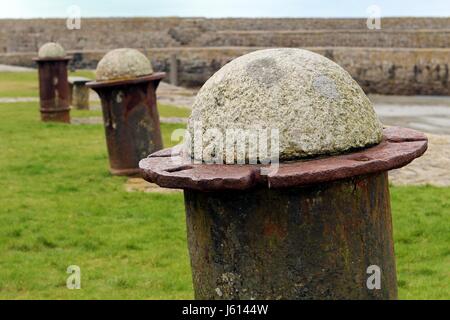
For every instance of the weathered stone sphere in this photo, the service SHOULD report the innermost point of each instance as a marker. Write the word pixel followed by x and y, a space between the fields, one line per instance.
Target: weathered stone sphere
pixel 51 50
pixel 122 64
pixel 315 104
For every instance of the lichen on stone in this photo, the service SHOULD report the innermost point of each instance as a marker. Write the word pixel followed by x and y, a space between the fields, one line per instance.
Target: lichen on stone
pixel 121 64
pixel 315 105
pixel 51 50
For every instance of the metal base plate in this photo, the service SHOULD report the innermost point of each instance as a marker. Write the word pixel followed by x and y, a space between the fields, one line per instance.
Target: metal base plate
pixel 399 147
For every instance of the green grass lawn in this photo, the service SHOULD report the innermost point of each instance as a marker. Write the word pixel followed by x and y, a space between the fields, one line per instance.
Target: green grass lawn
pixel 421 218
pixel 165 111
pixel 59 206
pixel 25 84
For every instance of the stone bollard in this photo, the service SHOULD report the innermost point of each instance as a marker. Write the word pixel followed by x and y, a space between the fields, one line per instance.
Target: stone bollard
pixel 53 85
pixel 79 92
pixel 173 69
pixel 127 85
pixel 315 226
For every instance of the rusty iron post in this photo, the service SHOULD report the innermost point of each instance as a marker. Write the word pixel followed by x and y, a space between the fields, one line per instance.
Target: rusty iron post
pixel 131 121
pixel 315 225
pixel 127 85
pixel 79 93
pixel 54 89
pixel 311 235
pixel 292 243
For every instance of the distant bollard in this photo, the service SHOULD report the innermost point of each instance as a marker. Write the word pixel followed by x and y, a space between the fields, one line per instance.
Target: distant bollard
pixel 53 84
pixel 79 93
pixel 127 85
pixel 317 224
pixel 173 69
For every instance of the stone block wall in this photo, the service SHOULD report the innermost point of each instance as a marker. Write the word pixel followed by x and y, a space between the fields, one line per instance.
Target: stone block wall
pixel 377 70
pixel 29 35
pixel 324 38
pixel 407 56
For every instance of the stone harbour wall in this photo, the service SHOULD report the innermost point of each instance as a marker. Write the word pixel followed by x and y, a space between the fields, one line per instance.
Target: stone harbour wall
pixel 407 56
pixel 324 38
pixel 18 35
pixel 377 70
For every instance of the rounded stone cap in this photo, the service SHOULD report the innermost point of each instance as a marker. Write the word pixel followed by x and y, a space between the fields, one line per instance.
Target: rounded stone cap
pixel 121 64
pixel 316 106
pixel 51 50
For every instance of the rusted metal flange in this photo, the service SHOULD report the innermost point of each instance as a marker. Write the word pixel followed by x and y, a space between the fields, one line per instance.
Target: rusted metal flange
pixel 123 82
pixel 399 147
pixel 50 59
pixel 79 80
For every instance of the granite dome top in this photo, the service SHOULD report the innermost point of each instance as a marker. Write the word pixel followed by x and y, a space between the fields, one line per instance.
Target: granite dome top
pixel 315 104
pixel 51 50
pixel 121 64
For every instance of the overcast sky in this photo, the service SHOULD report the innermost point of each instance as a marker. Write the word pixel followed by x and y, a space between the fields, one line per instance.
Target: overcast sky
pixel 222 8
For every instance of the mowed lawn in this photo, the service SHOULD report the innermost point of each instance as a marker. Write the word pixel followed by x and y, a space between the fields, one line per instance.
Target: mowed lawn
pixel 25 84
pixel 59 206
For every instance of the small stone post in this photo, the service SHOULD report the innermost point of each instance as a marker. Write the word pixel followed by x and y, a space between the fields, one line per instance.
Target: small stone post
pixel 318 224
pixel 79 92
pixel 173 69
pixel 127 85
pixel 53 85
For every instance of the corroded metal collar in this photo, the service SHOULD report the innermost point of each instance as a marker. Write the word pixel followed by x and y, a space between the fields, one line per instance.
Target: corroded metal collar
pixel 399 147
pixel 111 83
pixel 79 80
pixel 66 58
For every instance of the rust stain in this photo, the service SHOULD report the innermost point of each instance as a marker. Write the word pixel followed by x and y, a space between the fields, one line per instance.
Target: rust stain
pixel 273 230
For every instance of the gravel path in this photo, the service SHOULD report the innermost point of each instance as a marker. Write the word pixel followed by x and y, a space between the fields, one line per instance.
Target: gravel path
pixel 7 68
pixel 432 168
pixel 99 120
pixel 14 100
pixel 167 94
